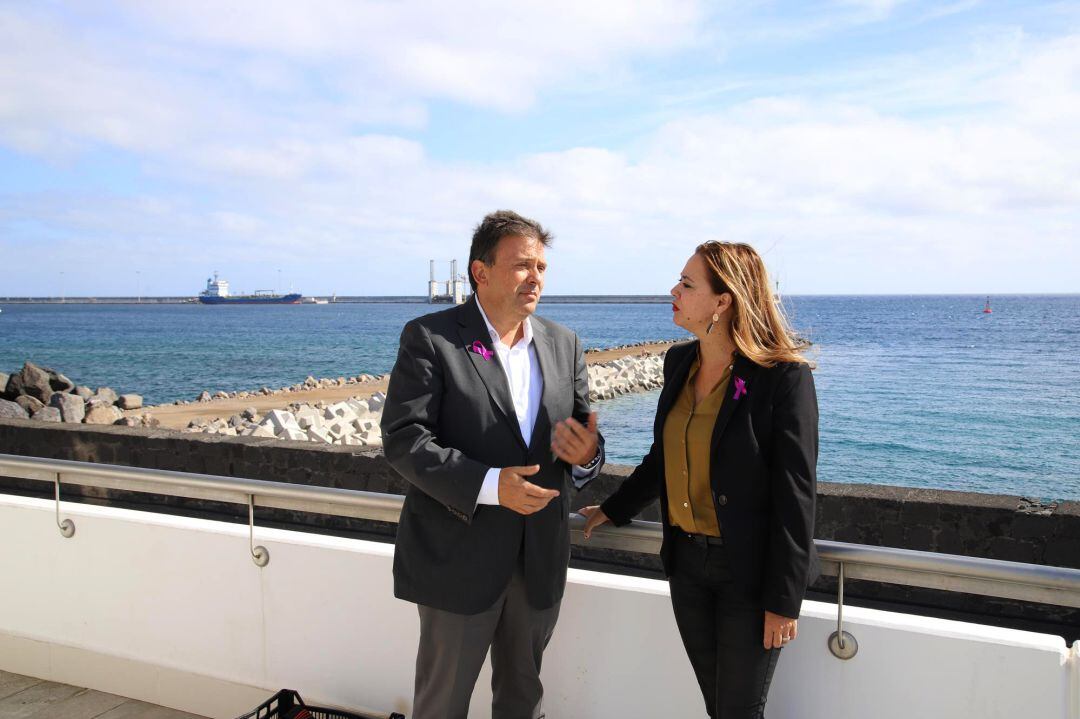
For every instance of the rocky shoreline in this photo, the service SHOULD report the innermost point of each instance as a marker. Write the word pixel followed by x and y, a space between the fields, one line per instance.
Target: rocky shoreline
pixel 46 395
pixel 308 384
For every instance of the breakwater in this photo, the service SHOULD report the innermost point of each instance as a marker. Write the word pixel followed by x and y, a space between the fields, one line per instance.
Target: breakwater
pixel 981 525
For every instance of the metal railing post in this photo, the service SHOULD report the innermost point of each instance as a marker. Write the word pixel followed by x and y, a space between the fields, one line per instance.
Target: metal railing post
pixel 842 644
pixel 260 555
pixel 67 527
pixel 1074 698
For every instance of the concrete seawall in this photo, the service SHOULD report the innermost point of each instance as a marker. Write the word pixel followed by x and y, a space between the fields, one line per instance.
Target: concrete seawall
pixel 993 526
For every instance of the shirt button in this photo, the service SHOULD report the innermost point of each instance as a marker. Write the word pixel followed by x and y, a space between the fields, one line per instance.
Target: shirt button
pixel 685 504
pixel 721 500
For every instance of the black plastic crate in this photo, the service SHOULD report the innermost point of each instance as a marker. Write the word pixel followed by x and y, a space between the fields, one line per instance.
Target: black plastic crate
pixel 287 704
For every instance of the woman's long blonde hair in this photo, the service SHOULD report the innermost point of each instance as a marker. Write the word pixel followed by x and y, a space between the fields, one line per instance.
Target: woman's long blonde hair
pixel 758 324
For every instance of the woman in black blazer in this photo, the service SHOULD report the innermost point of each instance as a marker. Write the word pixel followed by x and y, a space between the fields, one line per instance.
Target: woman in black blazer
pixel 733 463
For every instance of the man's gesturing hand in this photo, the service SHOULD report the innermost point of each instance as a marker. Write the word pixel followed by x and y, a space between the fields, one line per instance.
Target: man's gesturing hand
pixel 521 495
pixel 574 443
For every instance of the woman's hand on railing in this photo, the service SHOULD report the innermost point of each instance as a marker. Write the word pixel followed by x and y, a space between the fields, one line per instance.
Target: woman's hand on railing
pixel 779 630
pixel 594 516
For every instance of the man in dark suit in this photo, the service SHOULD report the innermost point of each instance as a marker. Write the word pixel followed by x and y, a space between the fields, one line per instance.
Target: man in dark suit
pixel 487 417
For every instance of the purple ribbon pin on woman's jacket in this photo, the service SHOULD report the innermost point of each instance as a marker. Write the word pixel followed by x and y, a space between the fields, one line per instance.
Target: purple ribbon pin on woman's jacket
pixel 479 348
pixel 740 387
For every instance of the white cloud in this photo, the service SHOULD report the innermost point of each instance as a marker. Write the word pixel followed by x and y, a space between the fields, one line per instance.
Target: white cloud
pixel 476 51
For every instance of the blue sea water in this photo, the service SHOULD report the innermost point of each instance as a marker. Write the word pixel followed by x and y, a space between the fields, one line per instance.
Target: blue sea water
pixel 920 391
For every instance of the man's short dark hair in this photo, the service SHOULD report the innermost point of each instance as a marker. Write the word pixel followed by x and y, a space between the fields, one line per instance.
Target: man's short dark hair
pixel 494 227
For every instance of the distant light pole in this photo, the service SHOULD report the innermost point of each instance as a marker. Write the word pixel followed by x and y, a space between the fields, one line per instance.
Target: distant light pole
pixel 138 287
pixel 61 287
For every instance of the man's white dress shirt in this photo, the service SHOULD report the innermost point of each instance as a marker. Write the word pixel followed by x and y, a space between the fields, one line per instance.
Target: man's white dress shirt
pixel 522 371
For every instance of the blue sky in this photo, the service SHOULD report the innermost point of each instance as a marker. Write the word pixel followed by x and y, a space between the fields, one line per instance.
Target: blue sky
pixel 863 146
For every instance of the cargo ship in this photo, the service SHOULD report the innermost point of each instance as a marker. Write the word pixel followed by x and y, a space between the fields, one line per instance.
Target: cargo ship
pixel 217 293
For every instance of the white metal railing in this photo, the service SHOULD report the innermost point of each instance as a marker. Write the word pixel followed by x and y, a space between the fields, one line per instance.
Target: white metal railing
pixel 973 575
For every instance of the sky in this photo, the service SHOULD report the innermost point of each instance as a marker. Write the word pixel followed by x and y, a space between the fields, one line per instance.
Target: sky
pixel 862 146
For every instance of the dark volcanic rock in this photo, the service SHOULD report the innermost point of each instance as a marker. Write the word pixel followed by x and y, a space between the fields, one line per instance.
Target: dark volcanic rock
pixel 71 406
pixel 10 410
pixel 129 401
pixel 30 404
pixel 47 414
pixel 60 383
pixel 107 393
pixel 30 380
pixel 102 414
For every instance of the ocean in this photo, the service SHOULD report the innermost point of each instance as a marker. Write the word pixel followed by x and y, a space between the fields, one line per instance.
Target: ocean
pixel 916 391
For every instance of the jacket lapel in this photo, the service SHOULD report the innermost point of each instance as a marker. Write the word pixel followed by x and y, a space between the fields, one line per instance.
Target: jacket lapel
pixel 472 328
pixel 742 376
pixel 545 354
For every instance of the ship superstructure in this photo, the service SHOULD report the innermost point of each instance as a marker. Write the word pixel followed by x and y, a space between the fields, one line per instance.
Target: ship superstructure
pixel 217 293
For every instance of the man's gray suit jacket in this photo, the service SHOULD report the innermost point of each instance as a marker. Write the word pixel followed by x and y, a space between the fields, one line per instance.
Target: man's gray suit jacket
pixel 448 418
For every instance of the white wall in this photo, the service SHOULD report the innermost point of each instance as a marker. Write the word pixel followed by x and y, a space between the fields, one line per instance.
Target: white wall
pixel 172 610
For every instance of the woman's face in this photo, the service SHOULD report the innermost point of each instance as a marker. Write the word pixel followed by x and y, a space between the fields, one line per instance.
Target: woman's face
pixel 694 300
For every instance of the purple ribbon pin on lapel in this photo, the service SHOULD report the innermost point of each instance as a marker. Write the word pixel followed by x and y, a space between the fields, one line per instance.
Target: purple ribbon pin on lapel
pixel 479 348
pixel 740 387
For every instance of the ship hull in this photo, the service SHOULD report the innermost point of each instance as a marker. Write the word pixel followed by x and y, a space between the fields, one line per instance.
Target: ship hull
pixel 293 299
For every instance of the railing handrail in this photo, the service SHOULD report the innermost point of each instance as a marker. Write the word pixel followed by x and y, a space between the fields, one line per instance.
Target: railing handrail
pixel 974 575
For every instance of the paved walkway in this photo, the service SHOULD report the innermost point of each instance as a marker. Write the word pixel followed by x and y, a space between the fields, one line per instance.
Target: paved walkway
pixel 28 698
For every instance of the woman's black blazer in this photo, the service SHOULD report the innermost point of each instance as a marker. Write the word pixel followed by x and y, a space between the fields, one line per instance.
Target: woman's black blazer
pixel 763 472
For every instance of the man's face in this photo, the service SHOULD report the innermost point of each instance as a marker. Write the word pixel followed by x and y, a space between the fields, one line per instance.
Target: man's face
pixel 515 279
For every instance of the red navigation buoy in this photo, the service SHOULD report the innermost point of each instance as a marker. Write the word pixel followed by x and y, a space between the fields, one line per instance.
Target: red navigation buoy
pixel 986 309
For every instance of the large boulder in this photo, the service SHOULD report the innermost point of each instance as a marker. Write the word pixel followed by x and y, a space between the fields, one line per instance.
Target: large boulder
pixel 84 392
pixel 71 406
pixel 59 382
pixel 29 403
pixel 103 414
pixel 4 377
pixel 47 414
pixel 99 400
pixel 10 410
pixel 107 393
pixel 30 380
pixel 129 401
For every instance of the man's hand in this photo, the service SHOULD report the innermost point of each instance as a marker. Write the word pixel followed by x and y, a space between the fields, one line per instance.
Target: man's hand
pixel 779 630
pixel 520 495
pixel 573 443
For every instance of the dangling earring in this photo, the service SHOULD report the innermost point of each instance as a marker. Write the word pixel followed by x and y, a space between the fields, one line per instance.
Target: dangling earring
pixel 715 319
